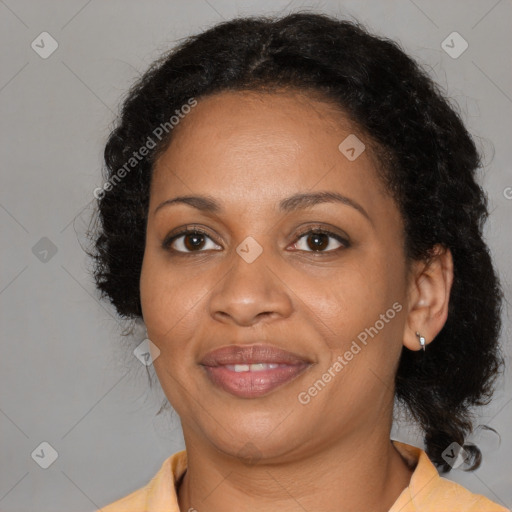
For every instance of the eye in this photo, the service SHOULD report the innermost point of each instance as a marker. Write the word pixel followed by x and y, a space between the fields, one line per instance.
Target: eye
pixel 190 240
pixel 196 240
pixel 320 240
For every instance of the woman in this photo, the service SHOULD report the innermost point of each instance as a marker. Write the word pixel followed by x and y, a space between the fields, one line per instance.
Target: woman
pixel 291 208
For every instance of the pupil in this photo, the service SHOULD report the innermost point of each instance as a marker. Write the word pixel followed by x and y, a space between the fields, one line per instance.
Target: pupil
pixel 194 241
pixel 320 241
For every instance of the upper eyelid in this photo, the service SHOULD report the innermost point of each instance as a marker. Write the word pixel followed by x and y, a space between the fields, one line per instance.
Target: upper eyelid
pixel 313 229
pixel 315 226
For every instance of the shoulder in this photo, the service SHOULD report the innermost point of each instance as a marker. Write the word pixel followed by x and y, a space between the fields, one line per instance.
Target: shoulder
pixel 134 501
pixel 461 499
pixel 430 492
pixel 159 493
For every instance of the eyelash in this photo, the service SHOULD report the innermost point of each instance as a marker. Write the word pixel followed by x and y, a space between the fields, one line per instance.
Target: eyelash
pixel 310 231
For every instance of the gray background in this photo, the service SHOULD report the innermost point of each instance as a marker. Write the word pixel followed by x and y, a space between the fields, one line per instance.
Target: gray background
pixel 68 377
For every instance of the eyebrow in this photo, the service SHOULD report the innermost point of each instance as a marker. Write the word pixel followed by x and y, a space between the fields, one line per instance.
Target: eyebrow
pixel 296 202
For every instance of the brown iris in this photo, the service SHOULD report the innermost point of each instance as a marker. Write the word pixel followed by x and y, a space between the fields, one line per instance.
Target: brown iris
pixel 319 241
pixel 194 241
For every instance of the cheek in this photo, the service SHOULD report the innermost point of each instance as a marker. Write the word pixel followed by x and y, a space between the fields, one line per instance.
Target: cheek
pixel 357 308
pixel 169 300
pixel 171 314
pixel 344 298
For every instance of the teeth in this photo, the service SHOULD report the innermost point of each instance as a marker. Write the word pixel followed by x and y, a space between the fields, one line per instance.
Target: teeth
pixel 256 367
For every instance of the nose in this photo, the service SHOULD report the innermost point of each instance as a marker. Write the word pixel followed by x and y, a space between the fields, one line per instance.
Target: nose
pixel 250 293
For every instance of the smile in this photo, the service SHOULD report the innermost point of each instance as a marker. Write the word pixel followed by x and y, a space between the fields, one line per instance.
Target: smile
pixel 253 380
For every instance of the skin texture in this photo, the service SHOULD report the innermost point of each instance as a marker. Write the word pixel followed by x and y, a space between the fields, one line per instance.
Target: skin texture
pixel 249 151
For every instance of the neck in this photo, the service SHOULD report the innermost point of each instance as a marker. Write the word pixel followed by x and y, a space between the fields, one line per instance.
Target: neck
pixel 357 473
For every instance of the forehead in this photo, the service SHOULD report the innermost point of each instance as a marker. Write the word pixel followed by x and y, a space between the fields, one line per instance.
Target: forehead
pixel 246 144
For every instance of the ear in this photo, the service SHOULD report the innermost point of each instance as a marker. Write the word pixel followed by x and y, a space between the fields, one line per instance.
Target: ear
pixel 428 297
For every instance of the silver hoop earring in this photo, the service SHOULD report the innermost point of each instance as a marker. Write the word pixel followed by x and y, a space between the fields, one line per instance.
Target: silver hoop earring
pixel 422 341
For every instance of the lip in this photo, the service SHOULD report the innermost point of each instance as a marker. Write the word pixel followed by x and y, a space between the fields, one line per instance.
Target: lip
pixel 250 354
pixel 219 364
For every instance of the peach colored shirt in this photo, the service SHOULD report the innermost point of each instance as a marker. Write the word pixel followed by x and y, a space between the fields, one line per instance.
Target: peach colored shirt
pixel 427 491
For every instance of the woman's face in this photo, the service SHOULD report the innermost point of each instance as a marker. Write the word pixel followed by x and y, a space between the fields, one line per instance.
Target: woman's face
pixel 255 276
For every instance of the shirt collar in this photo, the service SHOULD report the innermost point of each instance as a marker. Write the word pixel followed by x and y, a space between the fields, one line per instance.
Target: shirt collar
pixel 423 479
pixel 163 497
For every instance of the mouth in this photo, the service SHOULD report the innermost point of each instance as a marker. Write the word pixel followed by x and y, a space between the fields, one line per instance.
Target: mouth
pixel 252 371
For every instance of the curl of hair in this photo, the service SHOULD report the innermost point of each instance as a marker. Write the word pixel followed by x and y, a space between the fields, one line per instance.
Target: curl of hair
pixel 428 160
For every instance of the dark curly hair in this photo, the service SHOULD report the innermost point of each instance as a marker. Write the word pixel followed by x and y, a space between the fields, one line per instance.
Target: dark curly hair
pixel 428 163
